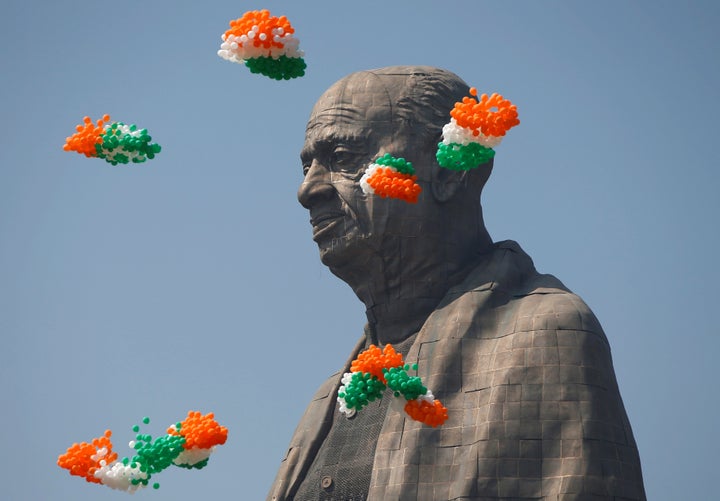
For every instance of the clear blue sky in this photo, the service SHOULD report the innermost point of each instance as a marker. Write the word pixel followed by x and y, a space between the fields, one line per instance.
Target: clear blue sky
pixel 192 282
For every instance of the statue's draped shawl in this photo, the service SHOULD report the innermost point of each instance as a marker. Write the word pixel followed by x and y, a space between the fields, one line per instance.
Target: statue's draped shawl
pixel 525 370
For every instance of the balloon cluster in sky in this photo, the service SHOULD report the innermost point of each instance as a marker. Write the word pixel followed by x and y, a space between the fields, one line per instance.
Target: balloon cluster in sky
pixel 476 127
pixel 373 371
pixel 188 444
pixel 265 44
pixel 114 142
pixel 391 177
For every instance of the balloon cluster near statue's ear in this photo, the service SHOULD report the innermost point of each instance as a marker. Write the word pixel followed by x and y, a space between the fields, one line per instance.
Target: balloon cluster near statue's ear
pixel 456 156
pixel 476 127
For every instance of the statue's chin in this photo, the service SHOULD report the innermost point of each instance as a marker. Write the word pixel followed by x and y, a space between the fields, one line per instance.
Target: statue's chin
pixel 345 253
pixel 337 253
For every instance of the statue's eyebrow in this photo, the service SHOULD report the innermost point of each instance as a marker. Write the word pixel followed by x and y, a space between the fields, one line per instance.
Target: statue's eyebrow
pixel 323 142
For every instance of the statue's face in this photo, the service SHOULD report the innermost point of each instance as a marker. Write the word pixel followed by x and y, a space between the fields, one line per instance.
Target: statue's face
pixel 349 128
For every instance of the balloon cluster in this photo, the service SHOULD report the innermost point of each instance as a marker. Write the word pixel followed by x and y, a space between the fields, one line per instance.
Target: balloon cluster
pixel 391 177
pixel 265 44
pixel 476 127
pixel 373 371
pixel 188 444
pixel 115 142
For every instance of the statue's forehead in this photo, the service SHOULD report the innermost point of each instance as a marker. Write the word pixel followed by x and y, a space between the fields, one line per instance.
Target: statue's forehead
pixel 357 99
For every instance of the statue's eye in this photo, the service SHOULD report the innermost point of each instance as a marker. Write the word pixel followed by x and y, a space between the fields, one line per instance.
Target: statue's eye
pixel 344 159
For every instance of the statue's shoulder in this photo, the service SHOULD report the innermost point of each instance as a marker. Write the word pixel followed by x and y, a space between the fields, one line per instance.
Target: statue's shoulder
pixel 539 300
pixel 542 304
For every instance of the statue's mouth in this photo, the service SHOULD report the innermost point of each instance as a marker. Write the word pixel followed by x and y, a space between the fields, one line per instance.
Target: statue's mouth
pixel 327 224
pixel 325 218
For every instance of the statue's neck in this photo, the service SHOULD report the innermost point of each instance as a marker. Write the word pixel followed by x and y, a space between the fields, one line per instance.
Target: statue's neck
pixel 396 321
pixel 399 300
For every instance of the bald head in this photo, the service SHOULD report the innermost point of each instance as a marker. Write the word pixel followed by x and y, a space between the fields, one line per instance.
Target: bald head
pixel 413 100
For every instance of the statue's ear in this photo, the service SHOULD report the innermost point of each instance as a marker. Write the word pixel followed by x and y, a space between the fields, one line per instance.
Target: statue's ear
pixel 446 182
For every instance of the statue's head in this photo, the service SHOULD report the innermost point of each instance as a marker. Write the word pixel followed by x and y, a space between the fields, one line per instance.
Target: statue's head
pixel 401 111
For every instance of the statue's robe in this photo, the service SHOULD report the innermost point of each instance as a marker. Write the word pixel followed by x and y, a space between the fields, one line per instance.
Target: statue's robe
pixel 525 371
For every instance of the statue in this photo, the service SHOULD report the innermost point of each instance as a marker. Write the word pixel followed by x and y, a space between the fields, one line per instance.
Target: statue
pixel 521 363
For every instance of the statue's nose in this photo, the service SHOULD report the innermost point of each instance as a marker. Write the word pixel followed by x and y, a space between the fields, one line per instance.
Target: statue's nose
pixel 316 185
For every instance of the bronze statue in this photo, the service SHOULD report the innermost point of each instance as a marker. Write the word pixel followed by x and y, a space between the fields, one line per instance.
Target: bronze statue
pixel 521 363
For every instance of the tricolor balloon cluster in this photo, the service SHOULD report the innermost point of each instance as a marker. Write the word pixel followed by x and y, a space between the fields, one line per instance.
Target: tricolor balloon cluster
pixel 114 142
pixel 373 371
pixel 265 44
pixel 188 444
pixel 476 127
pixel 391 177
